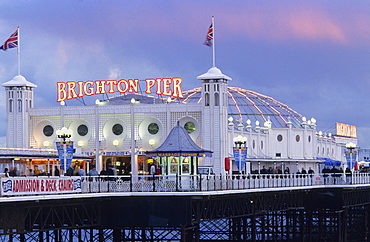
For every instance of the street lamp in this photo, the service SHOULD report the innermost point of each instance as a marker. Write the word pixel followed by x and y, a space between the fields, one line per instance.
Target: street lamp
pixel 350 147
pixel 240 150
pixel 64 134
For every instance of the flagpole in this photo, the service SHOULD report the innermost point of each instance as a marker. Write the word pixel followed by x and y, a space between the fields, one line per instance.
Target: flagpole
pixel 213 43
pixel 19 52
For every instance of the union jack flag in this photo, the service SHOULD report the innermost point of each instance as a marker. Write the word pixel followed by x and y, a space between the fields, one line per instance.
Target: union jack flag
pixel 209 37
pixel 12 42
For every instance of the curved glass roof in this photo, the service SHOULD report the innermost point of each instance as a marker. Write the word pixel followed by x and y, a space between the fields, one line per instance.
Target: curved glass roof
pixel 245 104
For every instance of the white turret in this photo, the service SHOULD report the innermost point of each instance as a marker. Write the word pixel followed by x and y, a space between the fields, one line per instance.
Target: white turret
pixel 19 94
pixel 214 117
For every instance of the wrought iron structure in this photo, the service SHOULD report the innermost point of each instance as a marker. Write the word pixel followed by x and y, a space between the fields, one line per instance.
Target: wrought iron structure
pixel 328 213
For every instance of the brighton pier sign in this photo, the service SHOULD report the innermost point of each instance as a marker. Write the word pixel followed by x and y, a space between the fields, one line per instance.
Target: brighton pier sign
pixel 77 89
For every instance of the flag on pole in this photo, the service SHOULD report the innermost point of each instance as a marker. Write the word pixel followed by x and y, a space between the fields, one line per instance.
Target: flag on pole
pixel 12 42
pixel 209 38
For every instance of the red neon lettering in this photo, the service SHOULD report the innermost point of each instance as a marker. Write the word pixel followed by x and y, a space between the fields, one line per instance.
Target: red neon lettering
pixel 71 90
pixel 111 84
pixel 177 90
pixel 100 87
pixel 89 88
pixel 80 89
pixel 149 84
pixel 61 91
pixel 158 92
pixel 122 90
pixel 166 86
pixel 133 85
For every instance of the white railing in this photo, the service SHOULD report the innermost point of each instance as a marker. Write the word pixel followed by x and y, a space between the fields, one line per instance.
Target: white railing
pixel 11 186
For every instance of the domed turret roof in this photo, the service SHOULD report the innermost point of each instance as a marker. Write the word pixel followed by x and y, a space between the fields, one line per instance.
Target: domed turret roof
pixel 213 73
pixel 246 105
pixel 18 81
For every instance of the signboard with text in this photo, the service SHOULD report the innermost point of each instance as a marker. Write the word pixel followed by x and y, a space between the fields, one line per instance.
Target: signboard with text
pixel 240 155
pixel 68 149
pixel 40 185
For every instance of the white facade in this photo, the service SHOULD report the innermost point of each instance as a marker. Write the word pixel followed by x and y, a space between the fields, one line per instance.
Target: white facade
pixel 108 131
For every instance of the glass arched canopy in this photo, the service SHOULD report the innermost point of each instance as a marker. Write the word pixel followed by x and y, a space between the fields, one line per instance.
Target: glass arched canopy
pixel 244 104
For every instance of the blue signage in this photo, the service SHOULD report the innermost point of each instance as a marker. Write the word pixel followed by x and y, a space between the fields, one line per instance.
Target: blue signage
pixel 65 150
pixel 351 157
pixel 240 155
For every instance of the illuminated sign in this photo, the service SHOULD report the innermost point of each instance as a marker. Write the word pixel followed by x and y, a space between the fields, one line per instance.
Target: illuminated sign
pixel 37 186
pixel 161 86
pixel 346 130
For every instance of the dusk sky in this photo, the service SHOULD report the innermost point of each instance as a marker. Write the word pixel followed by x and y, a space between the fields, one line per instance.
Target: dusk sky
pixel 313 55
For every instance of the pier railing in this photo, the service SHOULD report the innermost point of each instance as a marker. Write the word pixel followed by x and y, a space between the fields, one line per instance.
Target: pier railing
pixel 12 186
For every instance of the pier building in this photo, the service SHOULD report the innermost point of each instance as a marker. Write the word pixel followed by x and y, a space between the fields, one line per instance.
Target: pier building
pixel 118 130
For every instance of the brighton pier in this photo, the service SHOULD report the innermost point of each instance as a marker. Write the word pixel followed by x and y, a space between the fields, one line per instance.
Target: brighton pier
pixel 261 207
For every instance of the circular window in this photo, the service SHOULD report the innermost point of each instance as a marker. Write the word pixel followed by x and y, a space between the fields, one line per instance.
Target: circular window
pixel 297 138
pixel 153 128
pixel 82 130
pixel 279 137
pixel 117 129
pixel 190 127
pixel 48 130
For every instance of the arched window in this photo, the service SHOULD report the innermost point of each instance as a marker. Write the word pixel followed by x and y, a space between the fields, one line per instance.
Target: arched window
pixel 206 99
pixel 217 99
pixel 19 106
pixel 10 106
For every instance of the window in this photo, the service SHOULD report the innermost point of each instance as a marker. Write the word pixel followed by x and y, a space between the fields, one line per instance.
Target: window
pixel 309 138
pixel 190 127
pixel 261 145
pixel 153 128
pixel 10 106
pixel 217 99
pixel 253 144
pixel 48 130
pixel 117 129
pixel 82 130
pixel 206 99
pixel 297 138
pixel 279 138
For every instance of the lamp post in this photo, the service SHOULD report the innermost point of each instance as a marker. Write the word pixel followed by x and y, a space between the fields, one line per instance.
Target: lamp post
pixel 134 164
pixel 350 147
pixel 64 134
pixel 240 150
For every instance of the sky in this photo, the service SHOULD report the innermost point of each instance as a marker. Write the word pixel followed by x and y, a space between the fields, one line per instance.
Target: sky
pixel 313 55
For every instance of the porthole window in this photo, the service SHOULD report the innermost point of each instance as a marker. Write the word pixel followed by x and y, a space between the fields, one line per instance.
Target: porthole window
pixel 298 138
pixel 117 129
pixel 153 128
pixel 48 130
pixel 279 138
pixel 82 130
pixel 189 127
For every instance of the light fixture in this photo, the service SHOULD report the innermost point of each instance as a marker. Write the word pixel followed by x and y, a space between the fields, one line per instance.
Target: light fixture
pixel 46 143
pixel 80 143
pixel 133 100
pixel 63 103
pixel 64 133
pixel 97 101
pixel 151 142
pixel 115 142
pixel 169 99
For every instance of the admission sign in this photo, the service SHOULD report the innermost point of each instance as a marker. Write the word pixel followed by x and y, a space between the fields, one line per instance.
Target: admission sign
pixel 40 185
pixel 77 89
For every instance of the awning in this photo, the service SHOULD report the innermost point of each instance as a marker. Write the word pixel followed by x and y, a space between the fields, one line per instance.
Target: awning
pixel 329 162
